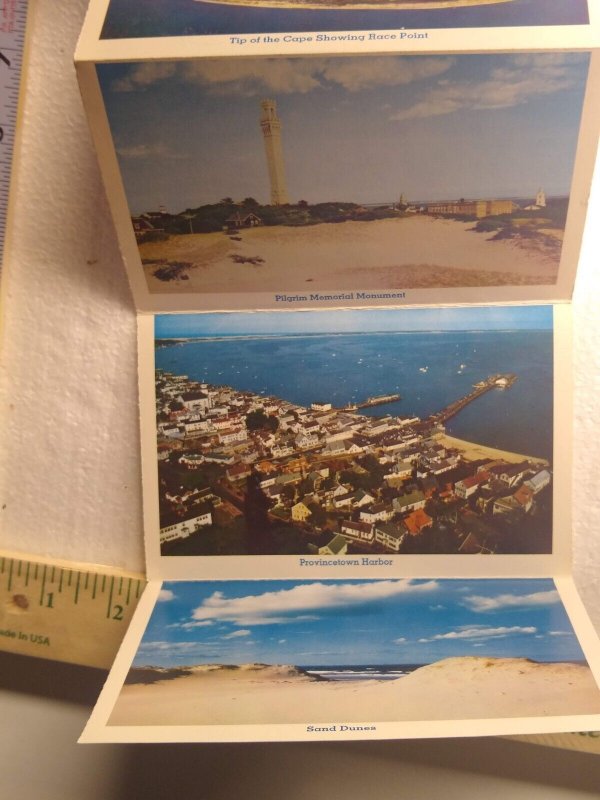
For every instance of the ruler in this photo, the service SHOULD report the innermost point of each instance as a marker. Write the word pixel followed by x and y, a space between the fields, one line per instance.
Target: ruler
pixel 13 21
pixel 62 611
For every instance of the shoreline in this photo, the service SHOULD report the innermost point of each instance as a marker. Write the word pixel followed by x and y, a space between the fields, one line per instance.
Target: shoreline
pixel 473 451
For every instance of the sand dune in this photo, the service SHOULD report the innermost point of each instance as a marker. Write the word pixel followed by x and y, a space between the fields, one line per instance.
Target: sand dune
pixel 407 253
pixel 455 688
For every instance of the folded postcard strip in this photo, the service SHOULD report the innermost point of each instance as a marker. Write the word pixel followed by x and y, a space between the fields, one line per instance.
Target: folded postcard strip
pixel 343 229
pixel 346 564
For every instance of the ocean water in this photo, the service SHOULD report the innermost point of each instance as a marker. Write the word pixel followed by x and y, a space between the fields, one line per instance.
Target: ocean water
pixel 360 672
pixel 131 18
pixel 429 370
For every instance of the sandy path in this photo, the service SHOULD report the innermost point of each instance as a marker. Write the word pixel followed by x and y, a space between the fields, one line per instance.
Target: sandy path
pixel 414 252
pixel 455 688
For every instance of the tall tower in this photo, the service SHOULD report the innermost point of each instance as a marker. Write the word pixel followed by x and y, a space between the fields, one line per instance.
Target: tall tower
pixel 271 128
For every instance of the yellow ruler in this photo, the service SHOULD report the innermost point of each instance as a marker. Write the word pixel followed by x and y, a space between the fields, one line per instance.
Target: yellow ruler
pixel 63 611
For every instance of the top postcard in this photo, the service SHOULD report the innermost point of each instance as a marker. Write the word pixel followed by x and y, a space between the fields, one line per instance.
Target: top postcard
pixel 133 19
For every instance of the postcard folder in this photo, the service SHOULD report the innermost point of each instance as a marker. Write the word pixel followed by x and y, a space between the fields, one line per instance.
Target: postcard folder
pixel 403 573
pixel 356 492
pixel 439 154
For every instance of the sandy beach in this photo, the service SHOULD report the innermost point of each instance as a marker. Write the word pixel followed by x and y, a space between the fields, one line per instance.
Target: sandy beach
pixel 454 688
pixel 408 253
pixel 475 452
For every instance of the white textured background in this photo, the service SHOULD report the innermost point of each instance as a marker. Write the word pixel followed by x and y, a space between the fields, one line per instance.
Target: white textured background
pixel 69 469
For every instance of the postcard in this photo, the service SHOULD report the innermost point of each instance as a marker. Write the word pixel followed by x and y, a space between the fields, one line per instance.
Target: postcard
pixel 130 19
pixel 353 438
pixel 329 659
pixel 343 224
pixel 350 180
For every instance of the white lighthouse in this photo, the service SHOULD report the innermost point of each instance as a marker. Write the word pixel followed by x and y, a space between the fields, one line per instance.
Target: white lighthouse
pixel 271 128
pixel 540 198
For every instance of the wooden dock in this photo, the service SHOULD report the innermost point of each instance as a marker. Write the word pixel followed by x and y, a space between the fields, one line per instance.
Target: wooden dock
pixel 500 381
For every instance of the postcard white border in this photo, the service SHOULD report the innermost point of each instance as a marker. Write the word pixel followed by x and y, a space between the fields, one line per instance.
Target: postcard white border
pixel 264 567
pixel 98 729
pixel 147 301
pixel 552 37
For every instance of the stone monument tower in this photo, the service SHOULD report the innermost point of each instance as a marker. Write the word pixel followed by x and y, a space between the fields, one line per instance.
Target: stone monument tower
pixel 271 128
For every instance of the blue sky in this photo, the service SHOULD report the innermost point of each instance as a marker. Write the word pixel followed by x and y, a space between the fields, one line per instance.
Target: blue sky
pixel 345 622
pixel 341 321
pixel 362 129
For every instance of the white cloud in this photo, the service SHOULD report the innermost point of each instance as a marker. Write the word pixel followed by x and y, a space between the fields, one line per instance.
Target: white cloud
pixel 293 605
pixel 401 640
pixel 480 632
pixel 165 595
pixel 286 75
pixel 139 151
pixel 476 603
pixel 145 74
pixel 203 624
pixel 561 633
pixel 518 81
pixel 237 634
pixel 171 647
pixel 355 74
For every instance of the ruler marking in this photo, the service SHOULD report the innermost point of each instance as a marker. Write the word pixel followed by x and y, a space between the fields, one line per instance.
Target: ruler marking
pixel 110 594
pixel 43 591
pixel 84 620
pixel 103 583
pixel 12 32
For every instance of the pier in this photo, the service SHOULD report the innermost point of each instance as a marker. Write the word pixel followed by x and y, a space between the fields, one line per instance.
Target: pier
pixel 379 400
pixel 492 382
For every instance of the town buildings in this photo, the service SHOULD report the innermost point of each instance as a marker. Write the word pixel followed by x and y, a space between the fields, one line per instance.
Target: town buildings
pixel 329 480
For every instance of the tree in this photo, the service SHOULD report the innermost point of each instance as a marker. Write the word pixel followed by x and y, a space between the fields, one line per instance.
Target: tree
pixel 258 420
pixel 250 202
